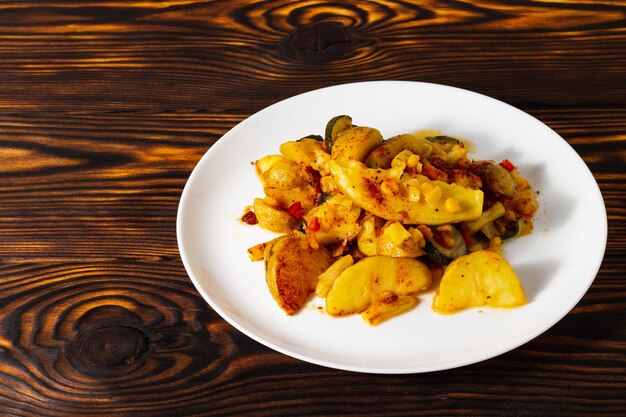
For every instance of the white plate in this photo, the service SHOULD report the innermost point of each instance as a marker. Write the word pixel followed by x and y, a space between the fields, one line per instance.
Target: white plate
pixel 556 264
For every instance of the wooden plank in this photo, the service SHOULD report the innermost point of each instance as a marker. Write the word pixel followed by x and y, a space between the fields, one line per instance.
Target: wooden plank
pixel 236 55
pixel 122 338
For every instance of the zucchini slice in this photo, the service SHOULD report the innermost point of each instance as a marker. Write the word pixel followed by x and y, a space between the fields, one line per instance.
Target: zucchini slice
pixel 445 142
pixel 504 229
pixel 314 137
pixel 443 254
pixel 334 127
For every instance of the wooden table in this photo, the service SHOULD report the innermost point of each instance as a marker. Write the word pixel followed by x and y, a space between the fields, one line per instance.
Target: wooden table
pixel 106 107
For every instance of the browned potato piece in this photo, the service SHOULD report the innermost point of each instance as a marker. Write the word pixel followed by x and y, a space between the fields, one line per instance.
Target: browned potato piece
pixel 355 143
pixel 287 181
pixel 307 152
pixel 272 218
pixel 293 269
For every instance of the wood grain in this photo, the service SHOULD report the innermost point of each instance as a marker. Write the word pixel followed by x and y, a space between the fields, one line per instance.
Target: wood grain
pixel 231 55
pixel 106 107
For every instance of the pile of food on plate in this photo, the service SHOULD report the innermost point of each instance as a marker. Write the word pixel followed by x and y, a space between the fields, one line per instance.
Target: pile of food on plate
pixel 368 223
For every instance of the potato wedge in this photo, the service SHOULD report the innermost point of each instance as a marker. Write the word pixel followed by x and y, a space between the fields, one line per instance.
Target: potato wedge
pixel 287 181
pixel 272 218
pixel 355 143
pixel 308 152
pixel 481 278
pixel 293 269
pixel 262 165
pixel 362 284
pixel 380 192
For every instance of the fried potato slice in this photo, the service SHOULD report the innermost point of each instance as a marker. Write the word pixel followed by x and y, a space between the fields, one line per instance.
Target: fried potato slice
pixel 481 278
pixel 287 182
pixel 355 143
pixel 293 268
pixel 272 218
pixel 307 152
pixel 362 284
pixel 381 193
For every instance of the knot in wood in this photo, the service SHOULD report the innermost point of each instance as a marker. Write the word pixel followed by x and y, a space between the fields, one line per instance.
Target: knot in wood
pixel 319 42
pixel 109 351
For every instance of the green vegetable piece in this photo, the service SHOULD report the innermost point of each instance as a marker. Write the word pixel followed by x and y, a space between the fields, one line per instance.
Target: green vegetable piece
pixel 314 137
pixel 334 127
pixel 446 143
pixel 443 255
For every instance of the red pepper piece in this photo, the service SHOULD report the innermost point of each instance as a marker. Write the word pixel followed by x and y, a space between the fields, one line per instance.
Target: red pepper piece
pixel 508 165
pixel 314 224
pixel 295 210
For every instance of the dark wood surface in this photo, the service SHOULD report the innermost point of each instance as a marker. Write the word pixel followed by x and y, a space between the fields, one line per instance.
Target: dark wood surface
pixel 105 108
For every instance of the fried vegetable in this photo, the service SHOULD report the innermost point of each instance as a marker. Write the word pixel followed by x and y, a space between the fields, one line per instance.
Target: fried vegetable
pixel 355 143
pixel 477 279
pixel 287 181
pixel 337 217
pixel 257 252
pixel 327 278
pixel 293 269
pixel 382 194
pixel 264 164
pixel 388 307
pixel 396 241
pixel 496 178
pixel 503 228
pixel 368 236
pixel 260 252
pixel 382 155
pixel 308 152
pixel 456 154
pixel 362 284
pixel 272 218
pixel 492 213
pixel 525 202
pixel 334 127
pixel 269 250
pixel 446 143
pixel 445 245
